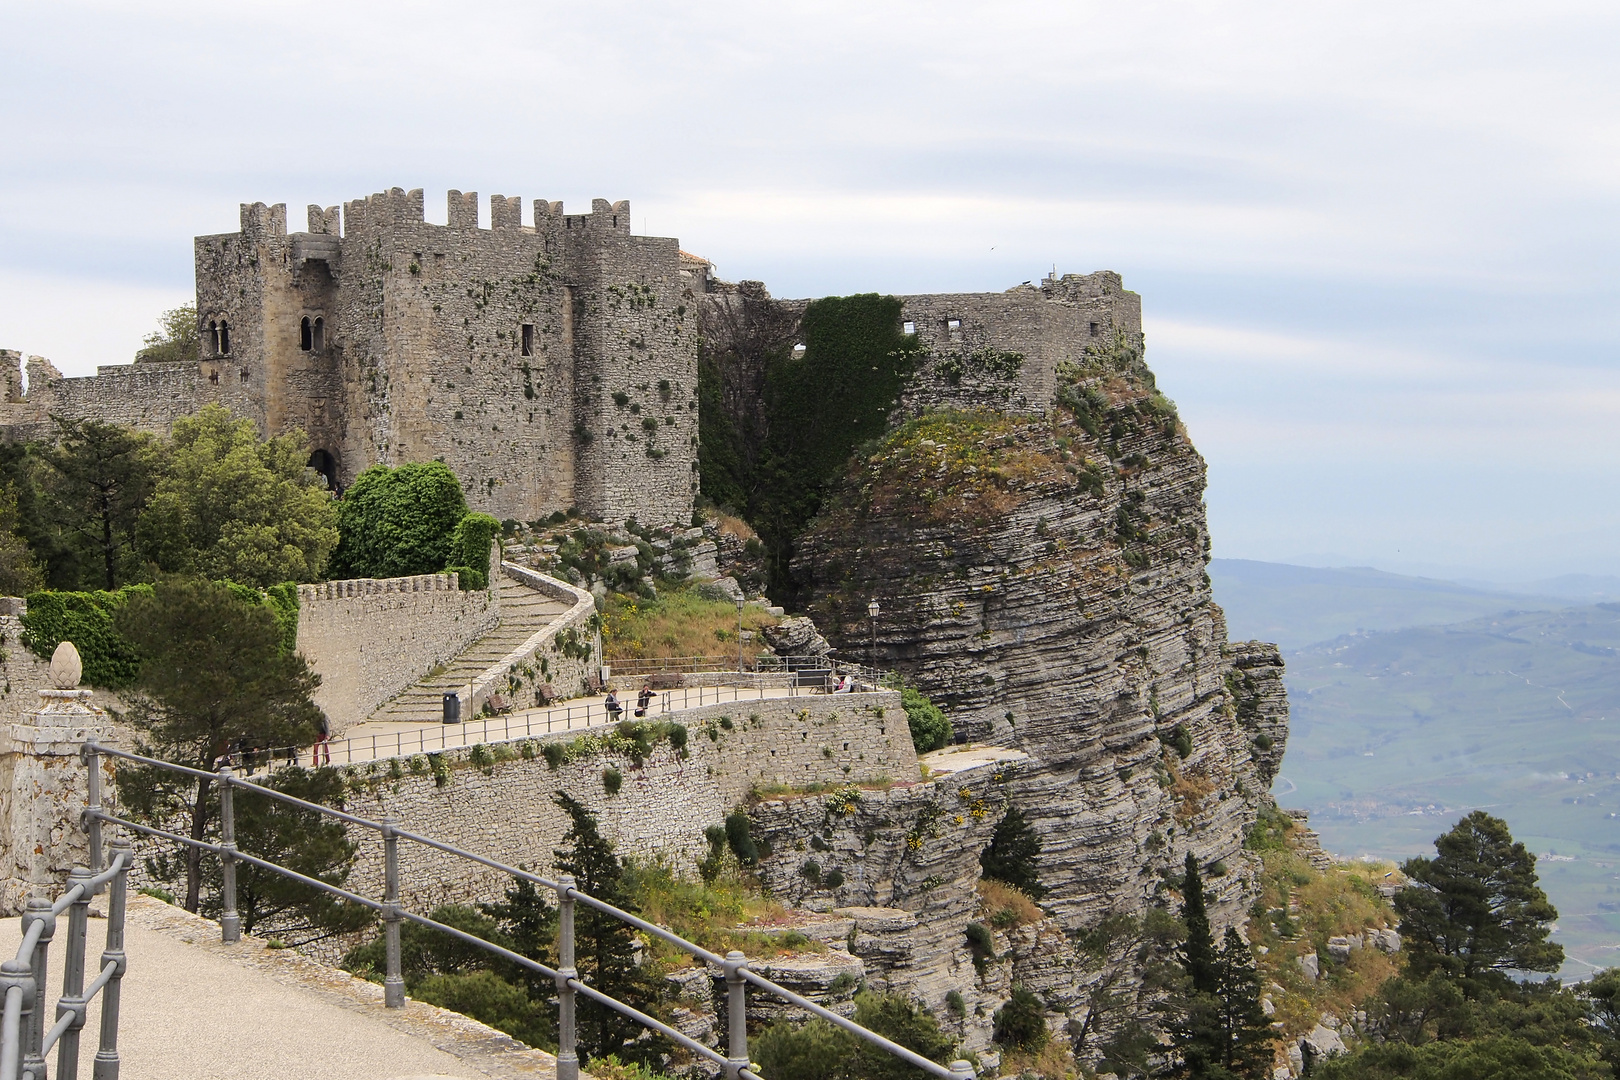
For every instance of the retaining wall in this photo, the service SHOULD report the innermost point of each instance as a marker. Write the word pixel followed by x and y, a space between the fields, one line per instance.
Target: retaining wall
pixel 505 810
pixel 369 638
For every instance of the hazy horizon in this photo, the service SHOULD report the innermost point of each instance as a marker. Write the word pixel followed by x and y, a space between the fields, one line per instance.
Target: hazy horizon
pixel 1375 244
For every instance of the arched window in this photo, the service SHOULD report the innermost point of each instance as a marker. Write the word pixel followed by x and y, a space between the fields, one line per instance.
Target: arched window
pixel 306 335
pixel 213 337
pixel 224 338
pixel 320 333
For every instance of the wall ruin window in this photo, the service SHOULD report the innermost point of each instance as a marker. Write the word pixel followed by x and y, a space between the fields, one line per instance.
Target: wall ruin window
pixel 953 324
pixel 306 334
pixel 320 334
pixel 1094 329
pixel 908 327
pixel 213 337
pixel 528 339
pixel 224 338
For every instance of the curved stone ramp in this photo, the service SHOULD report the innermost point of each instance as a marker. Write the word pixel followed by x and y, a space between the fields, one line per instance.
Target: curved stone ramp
pixel 525 612
pixel 194 1009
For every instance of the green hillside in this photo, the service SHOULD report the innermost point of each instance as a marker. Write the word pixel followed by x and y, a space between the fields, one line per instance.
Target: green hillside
pixel 1397 734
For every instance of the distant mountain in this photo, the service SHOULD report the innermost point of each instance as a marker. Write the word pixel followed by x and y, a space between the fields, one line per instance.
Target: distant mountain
pixel 1396 735
pixel 1579 588
pixel 1296 606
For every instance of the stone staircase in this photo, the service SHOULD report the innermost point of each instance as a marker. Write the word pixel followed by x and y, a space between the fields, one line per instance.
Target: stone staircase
pixel 524 613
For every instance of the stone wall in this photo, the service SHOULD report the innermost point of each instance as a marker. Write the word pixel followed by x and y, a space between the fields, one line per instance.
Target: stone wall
pixel 504 810
pixel 369 639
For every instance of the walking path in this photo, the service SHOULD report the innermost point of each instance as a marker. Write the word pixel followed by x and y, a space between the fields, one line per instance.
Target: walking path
pixel 194 1009
pixel 381 738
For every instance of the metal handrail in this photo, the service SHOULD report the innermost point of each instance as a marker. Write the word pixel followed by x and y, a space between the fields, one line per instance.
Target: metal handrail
pixel 24 1041
pixel 733 965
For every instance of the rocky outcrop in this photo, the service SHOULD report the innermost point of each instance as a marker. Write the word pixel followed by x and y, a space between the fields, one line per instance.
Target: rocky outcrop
pixel 795 636
pixel 1043 577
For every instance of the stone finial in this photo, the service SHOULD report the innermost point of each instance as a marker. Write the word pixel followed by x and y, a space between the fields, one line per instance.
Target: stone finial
pixel 66 667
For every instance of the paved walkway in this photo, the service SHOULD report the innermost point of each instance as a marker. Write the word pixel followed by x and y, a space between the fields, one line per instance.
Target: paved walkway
pixel 194 1009
pixel 379 738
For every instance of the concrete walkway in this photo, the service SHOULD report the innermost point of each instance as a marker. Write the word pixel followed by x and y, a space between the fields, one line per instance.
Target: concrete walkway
pixel 380 739
pixel 194 1009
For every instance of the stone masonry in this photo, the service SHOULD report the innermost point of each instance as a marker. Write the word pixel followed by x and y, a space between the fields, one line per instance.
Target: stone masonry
pixel 551 364
pixel 504 809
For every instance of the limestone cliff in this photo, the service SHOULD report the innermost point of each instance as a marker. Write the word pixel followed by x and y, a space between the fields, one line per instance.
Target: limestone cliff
pixel 1044 576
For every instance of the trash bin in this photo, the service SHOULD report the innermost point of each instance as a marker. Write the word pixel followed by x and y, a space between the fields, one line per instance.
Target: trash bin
pixel 452 708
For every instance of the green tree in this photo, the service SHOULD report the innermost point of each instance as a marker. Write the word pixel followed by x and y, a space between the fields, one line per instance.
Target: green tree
pixel 174 341
pixel 604 945
pixel 301 840
pixel 1021 1022
pixel 213 675
pixel 1475 911
pixel 1495 1057
pixel 95 483
pixel 1198 951
pixel 230 506
pixel 19 573
pixel 395 522
pixel 1013 854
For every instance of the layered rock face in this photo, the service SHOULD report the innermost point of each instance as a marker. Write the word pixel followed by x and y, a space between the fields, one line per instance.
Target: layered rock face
pixel 1044 577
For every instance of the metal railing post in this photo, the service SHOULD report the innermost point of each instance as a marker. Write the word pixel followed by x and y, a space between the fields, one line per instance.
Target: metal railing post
pixel 230 923
pixel 91 756
pixel 962 1069
pixel 106 1064
pixel 736 1014
pixel 33 1059
pixel 393 980
pixel 567 1035
pixel 15 975
pixel 72 999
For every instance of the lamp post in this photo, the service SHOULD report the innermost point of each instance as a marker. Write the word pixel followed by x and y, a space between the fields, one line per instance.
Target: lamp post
pixel 739 635
pixel 872 610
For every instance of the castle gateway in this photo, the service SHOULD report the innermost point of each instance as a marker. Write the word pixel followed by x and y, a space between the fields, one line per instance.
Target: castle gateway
pixel 550 365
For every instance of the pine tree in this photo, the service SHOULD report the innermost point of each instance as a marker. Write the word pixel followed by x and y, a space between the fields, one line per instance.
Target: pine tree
pixel 603 946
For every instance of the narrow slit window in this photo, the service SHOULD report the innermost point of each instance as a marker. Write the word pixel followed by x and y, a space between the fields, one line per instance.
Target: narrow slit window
pixel 306 334
pixel 213 337
pixel 224 338
pixel 1093 329
pixel 320 333
pixel 528 339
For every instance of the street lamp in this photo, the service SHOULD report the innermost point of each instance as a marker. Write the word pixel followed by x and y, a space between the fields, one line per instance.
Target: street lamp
pixel 739 635
pixel 872 610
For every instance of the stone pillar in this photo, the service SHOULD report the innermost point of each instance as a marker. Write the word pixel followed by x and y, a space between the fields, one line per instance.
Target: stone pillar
pixel 43 787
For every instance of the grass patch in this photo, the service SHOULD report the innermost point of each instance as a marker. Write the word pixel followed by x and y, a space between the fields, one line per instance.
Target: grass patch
pixel 1004 907
pixel 679 623
pixel 708 913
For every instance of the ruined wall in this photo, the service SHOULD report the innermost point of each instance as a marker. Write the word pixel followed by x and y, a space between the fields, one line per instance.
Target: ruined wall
pixel 505 811
pixel 972 340
pixel 369 639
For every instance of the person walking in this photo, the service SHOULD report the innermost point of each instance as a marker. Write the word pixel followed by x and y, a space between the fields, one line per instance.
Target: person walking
pixel 323 737
pixel 614 709
pixel 644 698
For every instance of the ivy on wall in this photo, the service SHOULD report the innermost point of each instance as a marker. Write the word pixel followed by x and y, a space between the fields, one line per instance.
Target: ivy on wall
pixel 110 662
pixel 819 404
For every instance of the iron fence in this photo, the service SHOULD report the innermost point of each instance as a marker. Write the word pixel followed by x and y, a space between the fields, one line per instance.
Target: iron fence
pixel 24 1039
pixel 733 966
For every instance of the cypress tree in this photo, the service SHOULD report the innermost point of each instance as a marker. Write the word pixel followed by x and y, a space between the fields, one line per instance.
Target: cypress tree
pixel 603 946
pixel 1198 954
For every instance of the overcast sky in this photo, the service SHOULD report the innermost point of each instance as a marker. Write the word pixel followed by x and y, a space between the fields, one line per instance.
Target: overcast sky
pixel 1375 242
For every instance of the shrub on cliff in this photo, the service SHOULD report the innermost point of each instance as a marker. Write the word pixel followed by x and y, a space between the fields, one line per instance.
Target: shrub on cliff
pixel 1013 854
pixel 930 730
pixel 819 1051
pixel 395 522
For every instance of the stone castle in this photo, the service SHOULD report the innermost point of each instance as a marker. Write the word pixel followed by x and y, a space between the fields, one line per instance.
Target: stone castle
pixel 552 365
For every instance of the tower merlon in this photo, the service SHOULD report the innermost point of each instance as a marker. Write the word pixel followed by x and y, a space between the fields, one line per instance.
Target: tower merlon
pixel 505 213
pixel 463 209
pixel 261 220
